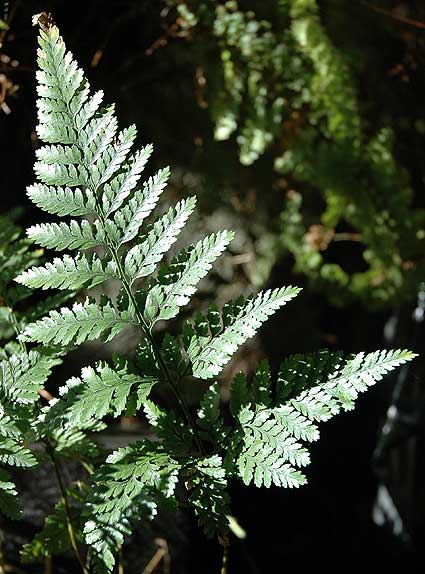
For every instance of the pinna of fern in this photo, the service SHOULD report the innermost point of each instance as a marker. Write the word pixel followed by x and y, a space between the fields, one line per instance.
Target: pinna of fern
pixel 87 169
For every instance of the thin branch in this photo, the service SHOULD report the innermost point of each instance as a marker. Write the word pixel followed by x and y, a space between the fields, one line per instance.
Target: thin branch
pixel 225 559
pixel 402 19
pixel 71 528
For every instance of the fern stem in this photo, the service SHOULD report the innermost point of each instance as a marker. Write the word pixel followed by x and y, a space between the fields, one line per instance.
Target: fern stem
pixel 16 328
pixel 64 497
pixel 225 558
pixel 156 349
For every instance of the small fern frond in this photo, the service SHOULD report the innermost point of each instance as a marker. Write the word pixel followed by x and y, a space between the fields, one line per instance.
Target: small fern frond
pixel 60 236
pixel 142 259
pixel 267 447
pixel 22 375
pixel 86 321
pixel 207 484
pixel 54 538
pixel 9 501
pixel 176 283
pixel 100 391
pixel 209 417
pixel 69 273
pixel 338 389
pixel 124 487
pixel 209 354
pixel 62 200
pixel 131 216
pixel 13 453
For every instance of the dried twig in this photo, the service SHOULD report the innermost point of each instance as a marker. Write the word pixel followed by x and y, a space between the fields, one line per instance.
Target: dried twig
pixel 402 19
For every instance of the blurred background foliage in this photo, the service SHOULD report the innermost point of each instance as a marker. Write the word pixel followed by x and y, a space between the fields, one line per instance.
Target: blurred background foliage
pixel 300 124
pixel 296 118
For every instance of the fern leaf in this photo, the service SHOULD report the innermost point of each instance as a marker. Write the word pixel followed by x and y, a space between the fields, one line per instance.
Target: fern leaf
pixel 62 201
pixel 131 216
pixel 176 437
pixel 82 322
pixel 22 375
pixel 209 418
pixel 121 185
pixel 100 391
pixel 209 354
pixel 261 385
pixel 267 448
pixel 333 385
pixel 124 486
pixel 15 454
pixel 208 496
pixel 72 235
pixel 301 371
pixel 239 394
pixel 54 539
pixel 142 259
pixel 177 282
pixel 9 502
pixel 69 273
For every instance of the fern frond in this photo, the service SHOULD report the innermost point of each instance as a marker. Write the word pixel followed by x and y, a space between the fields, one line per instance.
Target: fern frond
pixel 62 200
pixel 337 389
pixel 82 322
pixel 22 375
pixel 177 282
pixel 99 391
pixel 14 453
pixel 176 437
pixel 266 446
pixel 239 394
pixel 124 486
pixel 54 538
pixel 69 273
pixel 9 501
pixel 261 385
pixel 209 417
pixel 241 321
pixel 206 481
pixel 131 216
pixel 72 235
pixel 142 259
pixel 121 185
